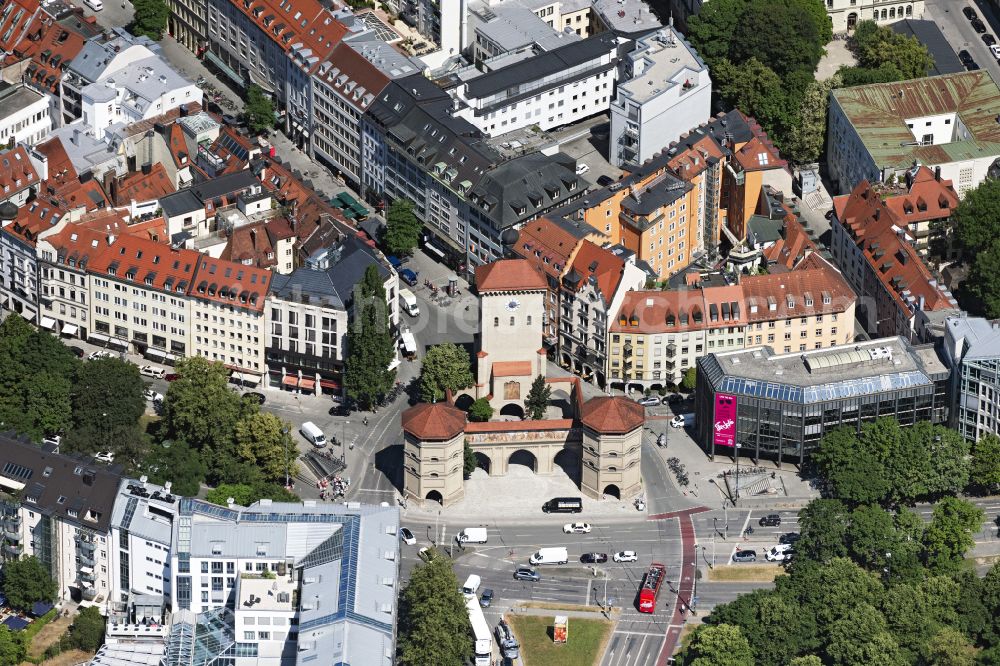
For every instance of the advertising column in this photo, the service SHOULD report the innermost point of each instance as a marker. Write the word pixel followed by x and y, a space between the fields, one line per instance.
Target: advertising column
pixel 724 427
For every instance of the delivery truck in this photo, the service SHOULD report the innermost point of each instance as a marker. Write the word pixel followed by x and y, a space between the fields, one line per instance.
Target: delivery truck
pixel 408 344
pixel 408 302
pixel 472 535
pixel 557 555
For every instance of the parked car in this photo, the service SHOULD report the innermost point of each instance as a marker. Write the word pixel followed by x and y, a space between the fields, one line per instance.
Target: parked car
pixel 171 377
pixel 406 536
pixel 972 66
pixel 152 371
pixel 152 396
pixel 581 169
pixel 650 401
pixel 408 276
pixel 978 26
pixel 604 181
pixel 79 353
pixel 426 554
pixel 105 457
pixel 777 553
pixel 770 520
pixel 970 13
pixel 576 528
pixel 524 572
pixel 626 556
pixel 965 57
pixel 486 598
pixel 989 39
pixel 790 538
pixel 259 398
pixel 100 353
pixel 995 50
pixel 594 558
pixel 745 556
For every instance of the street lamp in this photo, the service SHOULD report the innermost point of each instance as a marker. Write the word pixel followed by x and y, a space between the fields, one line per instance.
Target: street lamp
pixel 736 447
pixel 284 432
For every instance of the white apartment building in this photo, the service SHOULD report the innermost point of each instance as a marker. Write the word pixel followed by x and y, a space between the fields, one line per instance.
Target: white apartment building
pixel 24 115
pixel 846 14
pixel 664 90
pixel 58 509
pixel 539 88
pixel 227 308
pixel 64 302
pixel 19 234
pixel 140 544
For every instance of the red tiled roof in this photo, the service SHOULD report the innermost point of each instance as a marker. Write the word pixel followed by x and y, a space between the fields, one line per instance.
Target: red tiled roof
pixel 16 21
pixel 231 283
pixel 59 163
pixel 142 187
pixel 17 173
pixel 603 265
pixel 252 243
pixel 613 415
pixel 296 25
pixel 51 53
pixel 926 199
pixel 546 245
pixel 509 275
pixel 117 221
pixel 178 146
pixel 77 246
pixel 354 77
pixel 788 250
pixel 511 368
pixel 824 286
pixel 692 161
pixel 154 264
pixel 433 421
pixel 678 310
pixel 758 155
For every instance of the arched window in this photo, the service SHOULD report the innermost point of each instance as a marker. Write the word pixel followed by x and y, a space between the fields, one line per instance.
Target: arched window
pixel 909 10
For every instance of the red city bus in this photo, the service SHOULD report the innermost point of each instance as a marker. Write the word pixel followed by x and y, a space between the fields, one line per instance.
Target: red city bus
pixel 651 587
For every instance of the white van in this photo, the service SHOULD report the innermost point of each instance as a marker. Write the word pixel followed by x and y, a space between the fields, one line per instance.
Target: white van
pixel 472 535
pixel 313 434
pixel 550 556
pixel 96 5
pixel 152 371
pixel 409 302
pixel 471 585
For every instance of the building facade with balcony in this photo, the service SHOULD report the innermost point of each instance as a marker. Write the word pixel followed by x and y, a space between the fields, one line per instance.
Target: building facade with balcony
pixel 664 90
pixel 778 406
pixel 58 509
pixel 140 543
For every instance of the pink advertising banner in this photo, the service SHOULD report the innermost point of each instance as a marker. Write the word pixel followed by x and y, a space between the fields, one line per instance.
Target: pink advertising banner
pixel 725 419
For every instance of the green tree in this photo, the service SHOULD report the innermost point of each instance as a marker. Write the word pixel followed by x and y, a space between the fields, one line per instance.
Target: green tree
pixel 984 473
pixel 772 625
pixel 446 367
pixel 258 110
pixel 784 34
pixel 871 534
pixel 26 581
pixel 433 622
pixel 807 132
pixel 537 400
pixel 402 228
pixel 199 407
pixel 12 648
pixel 949 534
pixel 982 287
pixel 949 647
pixel 690 379
pixel 972 616
pixel 87 632
pixel 177 462
pixel 469 462
pixel 370 348
pixel 246 494
pixel 878 47
pixel 948 456
pixel 481 410
pixel 712 29
pixel 854 466
pixel 823 530
pixel 828 592
pixel 108 402
pixel 807 660
pixel 755 89
pixel 861 637
pixel 150 18
pixel 717 645
pixel 976 218
pixel 265 442
pixel 862 76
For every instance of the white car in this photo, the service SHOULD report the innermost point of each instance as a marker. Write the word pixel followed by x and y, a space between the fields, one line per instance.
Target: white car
pixel 576 528
pixel 105 457
pixel 152 371
pixel 626 556
pixel 581 169
pixel 677 422
pixel 152 395
pixel 779 553
pixel 995 50
pixel 649 402
pixel 406 536
pixel 100 353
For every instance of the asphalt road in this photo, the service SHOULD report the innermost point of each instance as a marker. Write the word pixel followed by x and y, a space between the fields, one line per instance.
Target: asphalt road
pixel 959 33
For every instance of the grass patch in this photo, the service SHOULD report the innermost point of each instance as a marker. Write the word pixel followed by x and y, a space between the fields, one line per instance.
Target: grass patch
pixel 596 610
pixel 756 573
pixel 584 647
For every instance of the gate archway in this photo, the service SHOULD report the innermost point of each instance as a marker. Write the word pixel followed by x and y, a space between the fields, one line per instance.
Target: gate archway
pixel 523 457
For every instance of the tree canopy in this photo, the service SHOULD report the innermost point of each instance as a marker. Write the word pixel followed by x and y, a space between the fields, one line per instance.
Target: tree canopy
pixel 976 221
pixel 246 494
pixel 402 230
pixel 717 645
pixel 150 18
pixel 370 347
pixel 26 581
pixel 87 632
pixel 258 110
pixel 108 402
pixel 446 367
pixel 885 55
pixel 984 471
pixel 481 410
pixel 537 400
pixel 433 622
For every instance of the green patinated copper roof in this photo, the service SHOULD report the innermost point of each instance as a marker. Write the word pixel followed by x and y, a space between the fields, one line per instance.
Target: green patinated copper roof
pixel 878 113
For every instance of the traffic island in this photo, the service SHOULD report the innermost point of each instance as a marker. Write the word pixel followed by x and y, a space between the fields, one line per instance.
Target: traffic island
pixel 586 639
pixel 745 573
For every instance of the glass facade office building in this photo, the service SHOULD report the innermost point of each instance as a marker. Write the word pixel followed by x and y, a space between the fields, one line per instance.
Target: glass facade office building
pixel 778 407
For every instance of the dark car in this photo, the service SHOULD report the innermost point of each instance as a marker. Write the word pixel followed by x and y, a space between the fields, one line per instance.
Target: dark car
pixel 965 57
pixel 486 599
pixel 409 277
pixel 772 520
pixel 604 181
pixel 259 398
pixel 79 353
pixel 989 39
pixel 594 558
pixel 526 573
pixel 970 13
pixel 171 376
pixel 790 538
pixel 745 556
pixel 978 26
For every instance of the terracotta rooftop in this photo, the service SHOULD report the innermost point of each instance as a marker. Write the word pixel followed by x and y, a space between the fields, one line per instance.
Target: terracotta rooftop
pixel 144 261
pixel 178 146
pixel 692 161
pixel 233 284
pixel 605 267
pixel 16 21
pixel 256 242
pixel 433 421
pixel 509 275
pixel 679 310
pixel 142 187
pixel 303 27
pixel 511 368
pixel 17 173
pixel 57 43
pixel 77 246
pixel 759 155
pixel 356 79
pixel 792 247
pixel 547 245
pixel 613 415
pixel 804 291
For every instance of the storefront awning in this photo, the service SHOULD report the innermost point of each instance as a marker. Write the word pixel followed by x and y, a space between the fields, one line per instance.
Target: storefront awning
pixel 290 380
pixel 49 323
pixel 307 384
pixel 70 329
pixel 118 342
pixel 99 338
pixel 329 384
pixel 433 250
pixel 155 353
pixel 226 69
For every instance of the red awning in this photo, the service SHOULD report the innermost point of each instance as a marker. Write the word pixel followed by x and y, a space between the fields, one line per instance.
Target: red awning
pixel 329 384
pixel 290 380
pixel 308 384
